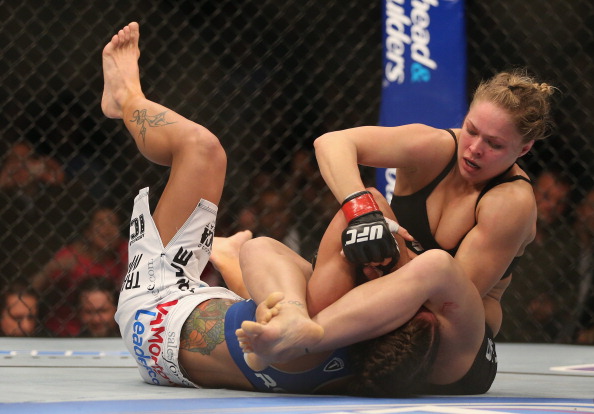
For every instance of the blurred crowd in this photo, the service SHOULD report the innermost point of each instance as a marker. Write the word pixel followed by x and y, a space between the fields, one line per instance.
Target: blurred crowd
pixel 67 251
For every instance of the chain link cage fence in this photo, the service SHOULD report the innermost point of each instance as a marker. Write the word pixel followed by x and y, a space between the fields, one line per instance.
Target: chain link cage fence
pixel 267 77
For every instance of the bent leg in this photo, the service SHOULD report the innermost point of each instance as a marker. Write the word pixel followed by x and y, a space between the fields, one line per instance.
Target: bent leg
pixel 197 160
pixel 269 267
pixel 433 280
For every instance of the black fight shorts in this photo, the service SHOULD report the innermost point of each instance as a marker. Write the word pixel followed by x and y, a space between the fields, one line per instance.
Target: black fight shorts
pixel 479 377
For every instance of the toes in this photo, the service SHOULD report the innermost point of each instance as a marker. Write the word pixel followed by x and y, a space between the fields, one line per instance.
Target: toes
pixel 274 298
pixel 255 363
pixel 244 341
pixel 251 328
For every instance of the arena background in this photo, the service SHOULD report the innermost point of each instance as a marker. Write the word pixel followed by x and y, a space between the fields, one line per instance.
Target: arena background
pixel 267 77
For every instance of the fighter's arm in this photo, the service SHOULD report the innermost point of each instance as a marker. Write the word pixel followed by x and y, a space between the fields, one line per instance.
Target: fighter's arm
pixel 506 219
pixel 340 152
pixel 334 275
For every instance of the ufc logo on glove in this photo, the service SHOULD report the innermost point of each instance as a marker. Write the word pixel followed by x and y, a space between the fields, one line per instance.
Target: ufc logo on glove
pixel 365 234
pixel 367 237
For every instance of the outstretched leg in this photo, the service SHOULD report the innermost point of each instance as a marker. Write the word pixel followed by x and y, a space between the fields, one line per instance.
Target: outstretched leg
pixel 197 160
pixel 377 307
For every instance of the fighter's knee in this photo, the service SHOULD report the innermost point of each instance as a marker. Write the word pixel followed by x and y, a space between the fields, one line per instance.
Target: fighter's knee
pixel 435 263
pixel 215 152
pixel 200 142
pixel 438 257
pixel 254 248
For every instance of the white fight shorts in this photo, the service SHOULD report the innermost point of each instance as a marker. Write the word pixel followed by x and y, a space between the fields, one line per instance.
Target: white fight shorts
pixel 162 287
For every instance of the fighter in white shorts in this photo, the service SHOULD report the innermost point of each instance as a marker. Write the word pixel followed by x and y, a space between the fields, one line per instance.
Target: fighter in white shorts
pixel 169 249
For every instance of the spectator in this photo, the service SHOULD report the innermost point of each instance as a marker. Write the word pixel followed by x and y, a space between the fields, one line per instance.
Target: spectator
pixel 100 252
pixel 35 198
pixel 97 302
pixel 543 291
pixel 24 169
pixel 18 311
pixel 585 302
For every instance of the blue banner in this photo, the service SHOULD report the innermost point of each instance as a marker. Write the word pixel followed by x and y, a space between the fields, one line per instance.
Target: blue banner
pixel 424 64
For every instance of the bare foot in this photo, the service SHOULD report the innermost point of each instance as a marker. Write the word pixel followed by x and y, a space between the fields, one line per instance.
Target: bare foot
pixel 225 258
pixel 265 311
pixel 121 75
pixel 269 308
pixel 226 249
pixel 282 331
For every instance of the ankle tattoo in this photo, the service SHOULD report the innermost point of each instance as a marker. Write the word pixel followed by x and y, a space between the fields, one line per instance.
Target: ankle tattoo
pixel 293 302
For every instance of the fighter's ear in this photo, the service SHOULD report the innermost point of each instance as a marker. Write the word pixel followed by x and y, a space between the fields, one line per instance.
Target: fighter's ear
pixel 526 147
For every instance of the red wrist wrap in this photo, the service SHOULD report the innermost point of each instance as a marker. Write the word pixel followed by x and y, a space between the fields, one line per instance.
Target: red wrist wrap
pixel 363 204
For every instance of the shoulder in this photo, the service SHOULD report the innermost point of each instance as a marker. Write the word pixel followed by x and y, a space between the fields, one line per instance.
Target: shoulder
pixel 515 184
pixel 456 132
pixel 428 149
pixel 508 204
pixel 516 194
pixel 416 131
pixel 436 140
pixel 429 133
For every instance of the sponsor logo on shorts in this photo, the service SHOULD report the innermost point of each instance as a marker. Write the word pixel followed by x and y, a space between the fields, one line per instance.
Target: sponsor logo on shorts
pixel 207 237
pixel 172 350
pixel 269 382
pixel 136 229
pixel 180 261
pixel 171 353
pixel 152 287
pixel 336 364
pixel 491 355
pixel 132 279
pixel 148 351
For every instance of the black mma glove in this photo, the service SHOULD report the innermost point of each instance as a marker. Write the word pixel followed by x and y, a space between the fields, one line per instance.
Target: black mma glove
pixel 367 237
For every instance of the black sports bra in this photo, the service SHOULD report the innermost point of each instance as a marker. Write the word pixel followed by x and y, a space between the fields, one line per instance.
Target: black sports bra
pixel 411 210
